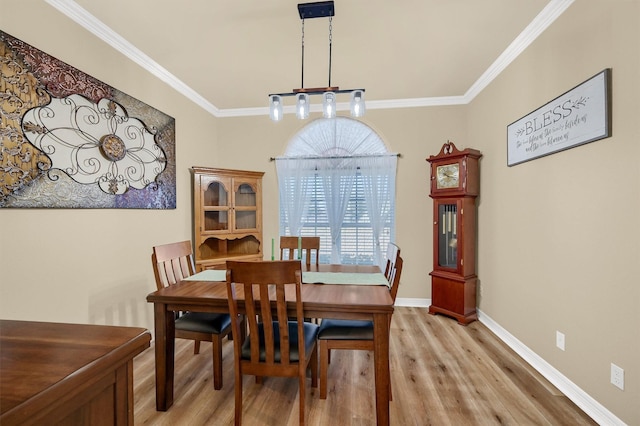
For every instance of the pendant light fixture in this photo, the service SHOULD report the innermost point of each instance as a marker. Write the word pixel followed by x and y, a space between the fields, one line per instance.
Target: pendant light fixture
pixel 321 9
pixel 302 105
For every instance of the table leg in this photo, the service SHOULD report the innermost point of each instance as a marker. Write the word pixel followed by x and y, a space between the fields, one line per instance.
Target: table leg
pixel 165 351
pixel 381 360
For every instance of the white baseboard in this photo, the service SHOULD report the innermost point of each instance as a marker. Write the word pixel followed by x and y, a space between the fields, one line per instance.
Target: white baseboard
pixel 590 406
pixel 415 303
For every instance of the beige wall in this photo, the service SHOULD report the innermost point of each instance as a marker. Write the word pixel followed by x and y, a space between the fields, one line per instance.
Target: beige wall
pixel 559 236
pixel 550 257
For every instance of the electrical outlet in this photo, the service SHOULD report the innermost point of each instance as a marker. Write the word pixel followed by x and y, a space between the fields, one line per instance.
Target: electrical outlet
pixel 617 376
pixel 560 340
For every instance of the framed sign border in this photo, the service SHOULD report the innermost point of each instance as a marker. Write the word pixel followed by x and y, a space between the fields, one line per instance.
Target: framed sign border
pixel 607 120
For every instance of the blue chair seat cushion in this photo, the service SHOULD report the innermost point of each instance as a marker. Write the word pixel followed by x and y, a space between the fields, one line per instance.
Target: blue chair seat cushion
pixel 336 329
pixel 203 322
pixel 310 332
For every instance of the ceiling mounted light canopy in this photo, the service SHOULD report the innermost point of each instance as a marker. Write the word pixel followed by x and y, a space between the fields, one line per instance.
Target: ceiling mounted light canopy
pixel 321 9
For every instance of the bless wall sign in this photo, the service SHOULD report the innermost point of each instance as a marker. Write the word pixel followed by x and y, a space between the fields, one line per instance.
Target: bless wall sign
pixel 577 117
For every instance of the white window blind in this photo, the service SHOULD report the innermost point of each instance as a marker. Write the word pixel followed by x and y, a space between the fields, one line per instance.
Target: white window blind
pixel 348 201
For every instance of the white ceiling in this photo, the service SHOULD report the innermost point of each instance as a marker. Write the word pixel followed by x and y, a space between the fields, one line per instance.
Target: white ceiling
pixel 228 55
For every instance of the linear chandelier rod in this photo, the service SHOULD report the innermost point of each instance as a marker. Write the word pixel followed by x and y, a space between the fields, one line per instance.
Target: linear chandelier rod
pixel 315 91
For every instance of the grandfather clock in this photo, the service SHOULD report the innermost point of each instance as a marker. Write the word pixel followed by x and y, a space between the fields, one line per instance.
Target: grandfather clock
pixel 455 184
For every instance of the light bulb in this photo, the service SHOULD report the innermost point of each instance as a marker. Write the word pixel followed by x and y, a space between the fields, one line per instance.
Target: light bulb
pixel 302 105
pixel 357 103
pixel 275 107
pixel 329 105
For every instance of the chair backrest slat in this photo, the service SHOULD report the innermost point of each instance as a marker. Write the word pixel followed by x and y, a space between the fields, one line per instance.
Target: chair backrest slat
pixel 283 324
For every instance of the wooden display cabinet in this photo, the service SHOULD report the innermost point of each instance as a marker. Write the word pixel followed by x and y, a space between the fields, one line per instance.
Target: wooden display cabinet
pixel 227 216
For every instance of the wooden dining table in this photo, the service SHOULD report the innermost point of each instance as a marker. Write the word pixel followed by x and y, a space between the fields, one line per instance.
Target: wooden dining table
pixel 341 301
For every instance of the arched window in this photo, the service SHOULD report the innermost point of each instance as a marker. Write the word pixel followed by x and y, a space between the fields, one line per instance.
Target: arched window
pixel 337 181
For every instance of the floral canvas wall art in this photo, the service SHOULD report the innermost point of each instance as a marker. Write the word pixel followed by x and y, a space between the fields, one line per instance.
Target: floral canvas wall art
pixel 68 140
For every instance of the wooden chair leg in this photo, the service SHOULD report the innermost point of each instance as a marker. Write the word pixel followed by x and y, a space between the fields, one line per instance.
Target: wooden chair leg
pixel 238 397
pixel 216 344
pixel 313 364
pixel 302 379
pixel 196 347
pixel 324 365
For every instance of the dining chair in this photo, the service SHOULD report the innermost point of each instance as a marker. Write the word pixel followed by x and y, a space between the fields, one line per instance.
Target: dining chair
pixel 289 245
pixel 171 264
pixel 393 252
pixel 274 346
pixel 350 334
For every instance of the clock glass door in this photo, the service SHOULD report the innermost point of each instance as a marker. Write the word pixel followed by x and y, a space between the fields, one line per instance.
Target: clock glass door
pixel 448 235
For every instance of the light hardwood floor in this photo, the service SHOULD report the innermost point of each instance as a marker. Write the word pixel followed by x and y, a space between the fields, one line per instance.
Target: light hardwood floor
pixel 442 374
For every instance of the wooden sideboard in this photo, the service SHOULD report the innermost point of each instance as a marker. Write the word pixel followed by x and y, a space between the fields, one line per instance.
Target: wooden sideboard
pixel 53 373
pixel 227 216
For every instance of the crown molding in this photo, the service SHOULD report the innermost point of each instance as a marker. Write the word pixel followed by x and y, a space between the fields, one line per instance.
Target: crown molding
pixel 541 22
pixel 83 18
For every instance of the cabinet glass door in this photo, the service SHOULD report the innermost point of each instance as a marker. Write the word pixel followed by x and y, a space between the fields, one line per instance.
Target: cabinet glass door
pixel 448 235
pixel 216 207
pixel 245 208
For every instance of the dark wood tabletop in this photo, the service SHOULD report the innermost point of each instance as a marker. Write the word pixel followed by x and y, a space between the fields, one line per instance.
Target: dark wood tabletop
pixel 48 370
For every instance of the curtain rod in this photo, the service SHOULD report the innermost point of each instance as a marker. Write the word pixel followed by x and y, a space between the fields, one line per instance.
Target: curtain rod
pixel 336 157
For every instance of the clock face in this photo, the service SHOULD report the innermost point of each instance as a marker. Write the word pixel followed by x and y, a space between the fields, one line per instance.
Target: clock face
pixel 448 176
